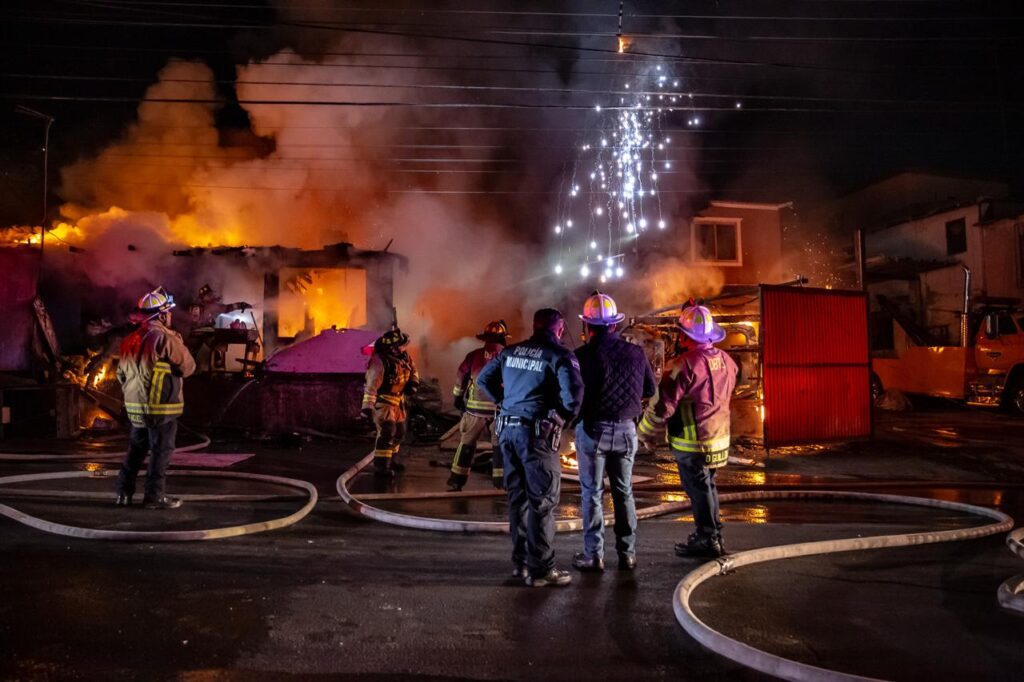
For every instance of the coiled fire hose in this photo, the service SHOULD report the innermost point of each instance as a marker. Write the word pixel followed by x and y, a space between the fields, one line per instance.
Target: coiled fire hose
pixel 1011 593
pixel 305 489
pixel 164 535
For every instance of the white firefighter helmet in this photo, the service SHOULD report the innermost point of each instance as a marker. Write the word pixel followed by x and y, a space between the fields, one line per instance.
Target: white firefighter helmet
pixel 698 323
pixel 600 310
pixel 155 302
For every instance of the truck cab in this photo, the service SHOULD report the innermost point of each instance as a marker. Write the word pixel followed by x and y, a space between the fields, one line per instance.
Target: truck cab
pixel 999 358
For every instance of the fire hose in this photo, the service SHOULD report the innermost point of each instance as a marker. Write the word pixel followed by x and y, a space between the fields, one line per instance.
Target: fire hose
pixel 308 491
pixel 162 536
pixel 788 669
pixel 1010 593
pixel 443 525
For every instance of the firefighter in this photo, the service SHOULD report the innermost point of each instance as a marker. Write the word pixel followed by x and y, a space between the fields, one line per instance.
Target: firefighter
pixel 538 385
pixel 478 411
pixel 154 363
pixel 616 378
pixel 390 377
pixel 693 406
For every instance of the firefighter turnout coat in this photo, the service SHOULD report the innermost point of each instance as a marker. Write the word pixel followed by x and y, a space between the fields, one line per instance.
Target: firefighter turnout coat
pixel 693 405
pixel 477 402
pixel 388 378
pixel 154 363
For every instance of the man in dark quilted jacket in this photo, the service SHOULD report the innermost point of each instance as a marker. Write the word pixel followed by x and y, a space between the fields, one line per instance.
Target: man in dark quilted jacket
pixel 616 379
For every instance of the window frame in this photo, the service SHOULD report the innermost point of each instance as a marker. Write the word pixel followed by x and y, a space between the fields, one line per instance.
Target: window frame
pixel 695 257
pixel 963 221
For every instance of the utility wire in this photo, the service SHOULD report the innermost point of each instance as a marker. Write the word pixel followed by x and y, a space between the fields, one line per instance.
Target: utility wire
pixel 661 94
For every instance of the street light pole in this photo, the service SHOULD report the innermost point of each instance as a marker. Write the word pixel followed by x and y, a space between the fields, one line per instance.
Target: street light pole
pixel 48 120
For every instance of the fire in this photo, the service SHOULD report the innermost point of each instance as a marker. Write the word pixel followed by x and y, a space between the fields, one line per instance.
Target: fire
pixel 97 378
pixel 568 457
pixel 315 300
pixel 624 44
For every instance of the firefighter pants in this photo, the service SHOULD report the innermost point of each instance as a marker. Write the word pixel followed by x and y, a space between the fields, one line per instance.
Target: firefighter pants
pixel 699 483
pixel 390 423
pixel 156 438
pixel 471 427
pixel 533 481
pixel 607 446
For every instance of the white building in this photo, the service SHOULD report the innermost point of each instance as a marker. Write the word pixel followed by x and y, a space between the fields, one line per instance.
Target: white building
pixel 917 264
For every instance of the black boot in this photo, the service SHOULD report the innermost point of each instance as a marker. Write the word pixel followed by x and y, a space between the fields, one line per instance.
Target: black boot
pixel 555 577
pixel 587 564
pixel 454 485
pixel 627 562
pixel 123 500
pixel 701 546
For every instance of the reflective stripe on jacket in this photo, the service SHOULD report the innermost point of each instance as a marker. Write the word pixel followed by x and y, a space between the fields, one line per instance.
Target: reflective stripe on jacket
pixel 387 378
pixel 477 402
pixel 153 365
pixel 693 405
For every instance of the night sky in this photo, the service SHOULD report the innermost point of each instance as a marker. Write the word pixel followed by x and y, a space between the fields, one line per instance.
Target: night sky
pixel 833 93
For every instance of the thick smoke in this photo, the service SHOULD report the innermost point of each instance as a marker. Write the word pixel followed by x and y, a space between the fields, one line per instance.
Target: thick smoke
pixel 311 175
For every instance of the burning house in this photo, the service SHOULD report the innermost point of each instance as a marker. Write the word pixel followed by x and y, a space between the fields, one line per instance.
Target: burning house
pixel 238 308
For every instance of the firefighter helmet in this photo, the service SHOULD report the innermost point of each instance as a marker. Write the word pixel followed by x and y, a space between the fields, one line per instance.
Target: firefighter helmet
pixel 698 323
pixel 392 340
pixel 600 310
pixel 494 332
pixel 155 302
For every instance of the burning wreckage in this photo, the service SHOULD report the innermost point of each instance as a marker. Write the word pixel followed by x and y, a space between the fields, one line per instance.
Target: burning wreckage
pixel 279 335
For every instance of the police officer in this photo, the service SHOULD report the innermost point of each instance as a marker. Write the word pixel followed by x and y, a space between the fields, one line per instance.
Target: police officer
pixel 538 385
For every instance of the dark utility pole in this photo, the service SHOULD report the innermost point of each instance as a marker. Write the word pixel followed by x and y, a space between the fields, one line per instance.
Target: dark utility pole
pixel 48 120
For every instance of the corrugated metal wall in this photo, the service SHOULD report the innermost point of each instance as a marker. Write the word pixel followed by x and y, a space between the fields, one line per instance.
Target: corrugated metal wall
pixel 816 365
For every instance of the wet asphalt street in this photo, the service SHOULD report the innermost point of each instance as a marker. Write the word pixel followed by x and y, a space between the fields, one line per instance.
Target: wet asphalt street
pixel 342 597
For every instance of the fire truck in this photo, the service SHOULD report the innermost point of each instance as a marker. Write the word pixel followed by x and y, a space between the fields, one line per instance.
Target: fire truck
pixel 986 369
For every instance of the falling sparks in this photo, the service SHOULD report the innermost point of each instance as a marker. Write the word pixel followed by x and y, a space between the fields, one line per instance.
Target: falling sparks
pixel 619 157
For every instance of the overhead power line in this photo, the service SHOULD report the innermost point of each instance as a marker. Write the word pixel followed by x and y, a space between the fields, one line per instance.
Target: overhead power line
pixel 683 96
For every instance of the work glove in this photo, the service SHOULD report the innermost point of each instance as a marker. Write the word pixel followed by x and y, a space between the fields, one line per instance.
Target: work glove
pixel 460 403
pixel 367 414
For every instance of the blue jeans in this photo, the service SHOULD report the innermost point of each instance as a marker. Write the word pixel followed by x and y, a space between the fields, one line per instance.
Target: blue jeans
pixel 610 446
pixel 699 484
pixel 533 479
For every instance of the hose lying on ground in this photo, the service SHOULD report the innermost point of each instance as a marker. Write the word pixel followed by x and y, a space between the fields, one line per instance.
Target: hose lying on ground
pixel 163 536
pixel 777 665
pixel 443 525
pixel 1011 593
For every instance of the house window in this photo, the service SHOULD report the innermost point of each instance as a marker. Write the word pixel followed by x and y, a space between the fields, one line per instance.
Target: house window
pixel 717 241
pixel 956 236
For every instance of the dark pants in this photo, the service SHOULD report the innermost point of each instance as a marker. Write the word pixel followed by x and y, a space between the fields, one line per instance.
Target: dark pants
pixel 156 439
pixel 533 481
pixel 390 423
pixel 699 484
pixel 607 446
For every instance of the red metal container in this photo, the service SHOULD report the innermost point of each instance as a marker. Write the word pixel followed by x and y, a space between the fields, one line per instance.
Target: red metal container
pixel 815 364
